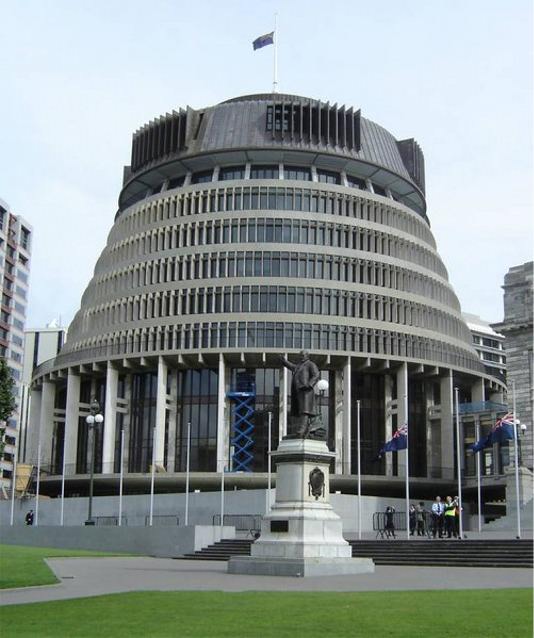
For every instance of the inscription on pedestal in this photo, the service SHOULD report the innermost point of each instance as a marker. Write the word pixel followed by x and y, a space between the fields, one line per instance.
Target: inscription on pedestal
pixel 279 526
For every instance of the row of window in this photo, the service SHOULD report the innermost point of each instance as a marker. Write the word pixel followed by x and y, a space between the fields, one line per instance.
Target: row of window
pixel 271 230
pixel 284 299
pixel 223 265
pixel 217 335
pixel 310 200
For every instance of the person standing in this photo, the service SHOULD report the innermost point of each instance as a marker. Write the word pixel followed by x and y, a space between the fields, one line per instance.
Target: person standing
pixel 449 515
pixel 420 518
pixel 413 519
pixel 389 526
pixel 29 518
pixel 457 518
pixel 437 517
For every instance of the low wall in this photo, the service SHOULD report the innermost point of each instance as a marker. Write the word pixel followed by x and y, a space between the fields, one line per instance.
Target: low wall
pixel 164 542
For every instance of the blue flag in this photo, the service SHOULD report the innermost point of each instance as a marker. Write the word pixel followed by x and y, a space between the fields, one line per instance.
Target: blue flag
pixel 263 40
pixel 503 430
pixel 399 441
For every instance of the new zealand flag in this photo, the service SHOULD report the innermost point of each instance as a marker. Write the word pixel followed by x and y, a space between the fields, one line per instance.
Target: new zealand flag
pixel 503 430
pixel 399 441
pixel 263 40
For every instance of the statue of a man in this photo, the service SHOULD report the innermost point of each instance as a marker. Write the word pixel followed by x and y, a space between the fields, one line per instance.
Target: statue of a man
pixel 303 405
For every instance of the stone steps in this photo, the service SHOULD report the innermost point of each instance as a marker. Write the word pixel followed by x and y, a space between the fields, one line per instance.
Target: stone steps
pixel 490 553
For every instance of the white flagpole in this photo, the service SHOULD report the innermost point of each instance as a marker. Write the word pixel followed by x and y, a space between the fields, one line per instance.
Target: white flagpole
pixel 269 473
pixel 458 461
pixel 516 463
pixel 222 499
pixel 153 477
pixel 121 476
pixel 359 470
pixel 479 491
pixel 275 55
pixel 187 474
pixel 63 469
pixel 407 462
pixel 38 484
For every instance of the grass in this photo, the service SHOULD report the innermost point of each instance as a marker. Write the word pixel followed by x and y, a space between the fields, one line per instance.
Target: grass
pixel 503 613
pixel 22 566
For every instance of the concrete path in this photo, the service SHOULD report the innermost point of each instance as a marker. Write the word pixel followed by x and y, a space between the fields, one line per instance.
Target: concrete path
pixel 96 576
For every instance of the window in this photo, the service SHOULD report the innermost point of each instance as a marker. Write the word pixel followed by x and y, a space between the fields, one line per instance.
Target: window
pixel 297 172
pixel 379 190
pixel 202 177
pixel 175 182
pixel 328 177
pixel 232 172
pixel 355 182
pixel 264 171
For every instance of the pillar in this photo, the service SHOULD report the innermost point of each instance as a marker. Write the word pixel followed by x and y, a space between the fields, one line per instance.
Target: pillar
pixel 35 419
pixel 477 392
pixel 110 419
pixel 72 413
pixel 388 422
pixel 161 406
pixel 223 423
pixel 338 423
pixel 46 421
pixel 447 426
pixel 347 407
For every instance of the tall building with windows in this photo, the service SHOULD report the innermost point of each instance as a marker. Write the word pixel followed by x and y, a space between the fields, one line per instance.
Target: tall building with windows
pixel 259 226
pixel 490 345
pixel 517 327
pixel 15 252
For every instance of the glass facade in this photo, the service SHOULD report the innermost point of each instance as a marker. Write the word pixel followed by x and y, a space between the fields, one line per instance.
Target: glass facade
pixel 197 405
pixel 142 421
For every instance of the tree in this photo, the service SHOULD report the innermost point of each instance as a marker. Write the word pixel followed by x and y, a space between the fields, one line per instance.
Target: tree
pixel 7 400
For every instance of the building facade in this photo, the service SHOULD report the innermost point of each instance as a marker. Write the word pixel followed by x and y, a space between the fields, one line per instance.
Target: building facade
pixel 517 327
pixel 258 227
pixel 489 345
pixel 15 253
pixel 40 344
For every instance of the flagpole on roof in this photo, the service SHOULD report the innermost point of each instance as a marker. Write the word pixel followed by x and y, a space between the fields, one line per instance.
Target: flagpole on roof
pixel 516 463
pixel 458 461
pixel 275 55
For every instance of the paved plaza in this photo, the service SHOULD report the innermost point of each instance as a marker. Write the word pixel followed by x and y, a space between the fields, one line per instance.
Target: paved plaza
pixel 96 576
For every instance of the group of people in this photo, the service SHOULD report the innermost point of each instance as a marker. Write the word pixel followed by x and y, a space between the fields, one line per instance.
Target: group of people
pixel 446 517
pixel 442 521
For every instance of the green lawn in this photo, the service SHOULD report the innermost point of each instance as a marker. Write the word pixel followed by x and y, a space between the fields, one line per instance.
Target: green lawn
pixel 22 566
pixel 427 614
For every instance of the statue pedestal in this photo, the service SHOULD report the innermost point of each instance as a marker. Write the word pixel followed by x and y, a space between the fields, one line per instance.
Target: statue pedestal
pixel 302 535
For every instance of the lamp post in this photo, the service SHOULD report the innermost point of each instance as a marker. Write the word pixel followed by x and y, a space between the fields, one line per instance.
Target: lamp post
pixel 94 418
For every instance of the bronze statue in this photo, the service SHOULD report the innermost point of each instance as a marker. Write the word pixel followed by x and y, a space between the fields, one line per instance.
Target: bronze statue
pixel 304 410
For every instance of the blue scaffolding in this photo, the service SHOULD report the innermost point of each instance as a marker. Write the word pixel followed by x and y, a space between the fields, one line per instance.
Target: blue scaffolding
pixel 244 399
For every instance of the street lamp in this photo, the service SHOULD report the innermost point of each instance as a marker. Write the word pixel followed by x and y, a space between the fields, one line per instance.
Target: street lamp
pixel 94 418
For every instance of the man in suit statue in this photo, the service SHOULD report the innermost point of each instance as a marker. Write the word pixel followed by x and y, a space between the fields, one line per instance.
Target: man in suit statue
pixel 303 404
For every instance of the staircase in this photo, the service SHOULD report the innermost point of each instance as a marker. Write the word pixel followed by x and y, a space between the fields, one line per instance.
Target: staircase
pixel 486 553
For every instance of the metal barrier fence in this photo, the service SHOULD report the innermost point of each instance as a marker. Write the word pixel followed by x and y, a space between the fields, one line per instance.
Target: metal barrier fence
pixel 162 520
pixel 241 522
pixel 108 521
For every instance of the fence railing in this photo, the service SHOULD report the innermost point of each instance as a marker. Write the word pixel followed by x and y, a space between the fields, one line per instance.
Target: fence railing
pixel 163 520
pixel 241 522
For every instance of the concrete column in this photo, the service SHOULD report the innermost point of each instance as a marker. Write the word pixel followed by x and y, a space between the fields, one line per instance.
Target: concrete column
pixel 283 408
pixel 477 391
pixel 72 412
pixel 447 426
pixel 223 422
pixel 46 422
pixel 110 419
pixel 347 408
pixel 388 421
pixel 161 404
pixel 338 423
pixel 35 420
pixel 171 451
pixel 402 416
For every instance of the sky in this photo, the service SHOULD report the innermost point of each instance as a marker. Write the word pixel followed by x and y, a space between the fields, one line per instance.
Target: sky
pixel 77 78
